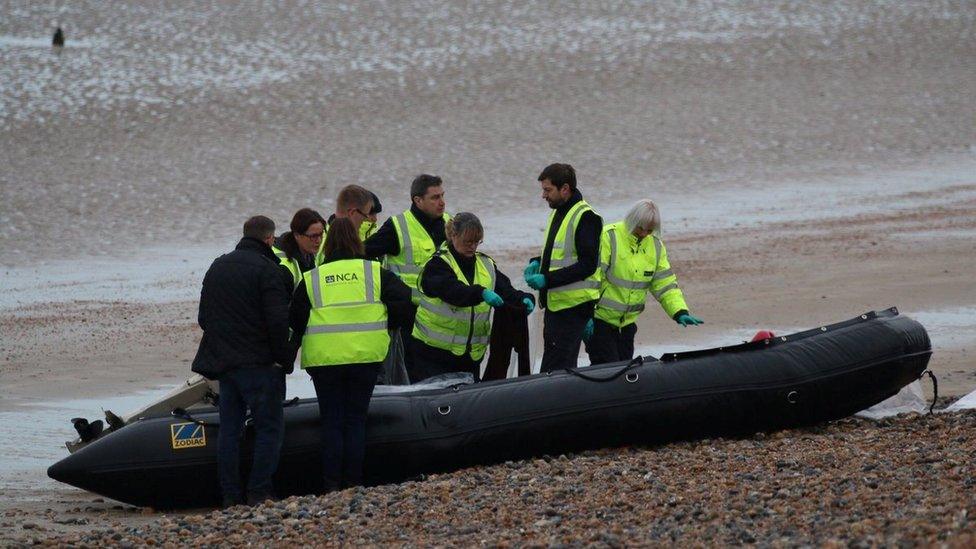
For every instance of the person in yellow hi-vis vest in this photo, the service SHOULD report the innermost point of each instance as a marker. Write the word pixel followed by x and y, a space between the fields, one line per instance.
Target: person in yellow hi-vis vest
pixel 296 249
pixel 353 203
pixel 407 240
pixel 634 263
pixel 339 313
pixel 367 229
pixel 566 273
pixel 459 288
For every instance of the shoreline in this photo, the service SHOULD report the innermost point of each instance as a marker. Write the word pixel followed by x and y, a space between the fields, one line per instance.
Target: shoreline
pixel 811 163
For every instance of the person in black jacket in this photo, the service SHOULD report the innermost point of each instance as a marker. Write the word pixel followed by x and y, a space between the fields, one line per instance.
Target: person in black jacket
pixel 441 284
pixel 565 319
pixel 244 316
pixel 428 209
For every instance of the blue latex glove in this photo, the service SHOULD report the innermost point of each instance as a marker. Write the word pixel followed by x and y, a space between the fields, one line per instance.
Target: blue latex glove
pixel 532 269
pixel 492 298
pixel 588 330
pixel 529 306
pixel 536 281
pixel 686 319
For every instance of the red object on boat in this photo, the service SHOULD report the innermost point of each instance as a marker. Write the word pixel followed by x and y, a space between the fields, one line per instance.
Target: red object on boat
pixel 763 334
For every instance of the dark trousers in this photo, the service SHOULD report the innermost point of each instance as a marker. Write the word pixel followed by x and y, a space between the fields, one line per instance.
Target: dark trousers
pixel 430 361
pixel 343 392
pixel 509 331
pixel 260 390
pixel 609 343
pixel 562 335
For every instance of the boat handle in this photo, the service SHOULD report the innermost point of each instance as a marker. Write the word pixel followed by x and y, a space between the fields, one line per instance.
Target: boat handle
pixel 443 410
pixel 183 414
pixel 791 397
pixel 632 377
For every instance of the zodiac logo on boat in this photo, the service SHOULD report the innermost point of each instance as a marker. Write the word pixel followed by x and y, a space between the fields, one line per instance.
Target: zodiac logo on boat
pixel 187 435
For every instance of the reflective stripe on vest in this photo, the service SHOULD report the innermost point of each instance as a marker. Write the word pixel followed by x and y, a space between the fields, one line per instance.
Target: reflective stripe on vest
pixel 347 322
pixel 459 330
pixel 290 264
pixel 416 247
pixel 563 255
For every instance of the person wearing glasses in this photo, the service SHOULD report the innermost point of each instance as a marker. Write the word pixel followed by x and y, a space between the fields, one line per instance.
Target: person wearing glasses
pixel 634 263
pixel 339 314
pixel 459 287
pixel 353 203
pixel 296 248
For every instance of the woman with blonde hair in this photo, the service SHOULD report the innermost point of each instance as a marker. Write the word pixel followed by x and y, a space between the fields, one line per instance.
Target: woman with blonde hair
pixel 634 263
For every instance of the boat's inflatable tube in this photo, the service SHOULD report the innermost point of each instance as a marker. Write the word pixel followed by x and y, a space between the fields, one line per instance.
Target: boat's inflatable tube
pixel 800 379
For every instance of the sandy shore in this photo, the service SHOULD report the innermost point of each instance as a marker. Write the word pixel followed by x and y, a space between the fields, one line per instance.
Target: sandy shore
pixel 854 482
pixel 811 163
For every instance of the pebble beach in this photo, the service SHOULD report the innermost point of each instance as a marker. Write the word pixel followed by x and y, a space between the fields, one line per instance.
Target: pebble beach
pixel 812 161
pixel 905 481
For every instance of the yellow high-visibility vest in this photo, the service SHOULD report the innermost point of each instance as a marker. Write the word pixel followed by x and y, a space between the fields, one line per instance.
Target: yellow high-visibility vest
pixel 416 248
pixel 631 270
pixel 320 254
pixel 291 264
pixel 563 255
pixel 366 230
pixel 347 321
pixel 459 330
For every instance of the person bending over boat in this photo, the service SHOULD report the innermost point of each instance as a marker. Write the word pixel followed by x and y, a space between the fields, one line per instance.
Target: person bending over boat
pixel 566 273
pixel 634 263
pixel 459 286
pixel 244 316
pixel 296 249
pixel 339 313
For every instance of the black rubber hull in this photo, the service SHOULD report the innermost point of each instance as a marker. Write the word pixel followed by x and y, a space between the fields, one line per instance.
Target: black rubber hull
pixel 802 379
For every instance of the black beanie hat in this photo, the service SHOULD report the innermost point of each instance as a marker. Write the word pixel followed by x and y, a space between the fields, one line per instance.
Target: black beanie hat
pixel 377 207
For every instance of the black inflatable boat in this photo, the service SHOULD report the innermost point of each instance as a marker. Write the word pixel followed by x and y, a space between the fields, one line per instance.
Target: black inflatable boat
pixel 826 373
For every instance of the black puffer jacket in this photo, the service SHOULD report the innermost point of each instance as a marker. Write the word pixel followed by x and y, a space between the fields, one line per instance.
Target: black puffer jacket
pixel 243 312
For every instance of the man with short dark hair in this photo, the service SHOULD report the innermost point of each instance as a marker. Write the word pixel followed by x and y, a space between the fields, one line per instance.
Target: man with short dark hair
pixel 408 240
pixel 244 316
pixel 566 273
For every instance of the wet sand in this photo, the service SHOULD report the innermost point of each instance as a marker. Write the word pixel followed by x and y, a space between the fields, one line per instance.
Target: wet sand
pixel 811 163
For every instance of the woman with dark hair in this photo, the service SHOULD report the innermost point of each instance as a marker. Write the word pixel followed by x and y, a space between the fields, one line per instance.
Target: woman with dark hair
pixel 339 313
pixel 459 286
pixel 296 248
